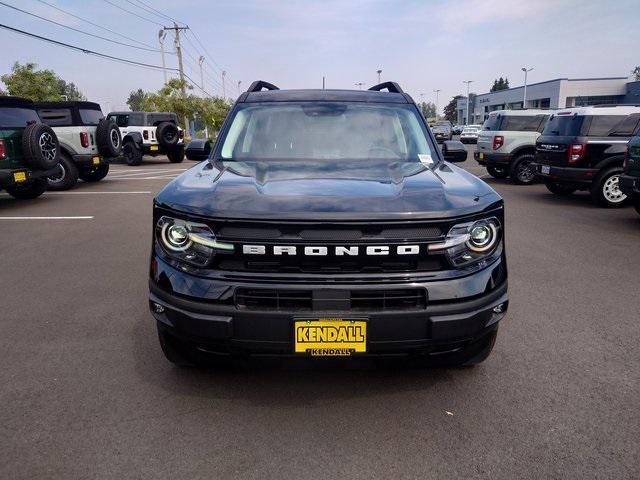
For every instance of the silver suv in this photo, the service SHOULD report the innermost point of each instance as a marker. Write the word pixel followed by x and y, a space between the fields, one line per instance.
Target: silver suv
pixel 507 143
pixel 87 141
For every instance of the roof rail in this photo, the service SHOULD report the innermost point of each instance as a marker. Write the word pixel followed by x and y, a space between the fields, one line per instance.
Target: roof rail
pixel 258 85
pixel 392 87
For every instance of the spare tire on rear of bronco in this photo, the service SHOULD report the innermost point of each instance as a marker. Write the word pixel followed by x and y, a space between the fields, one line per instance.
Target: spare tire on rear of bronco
pixel 167 134
pixel 40 146
pixel 108 138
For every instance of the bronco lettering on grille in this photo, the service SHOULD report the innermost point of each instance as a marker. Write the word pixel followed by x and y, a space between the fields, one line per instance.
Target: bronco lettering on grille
pixel 337 250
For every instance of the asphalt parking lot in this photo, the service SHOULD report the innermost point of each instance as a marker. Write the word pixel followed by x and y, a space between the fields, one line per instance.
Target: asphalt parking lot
pixel 87 393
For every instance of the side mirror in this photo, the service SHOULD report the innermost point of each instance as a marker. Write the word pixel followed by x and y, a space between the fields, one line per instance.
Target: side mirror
pixel 454 151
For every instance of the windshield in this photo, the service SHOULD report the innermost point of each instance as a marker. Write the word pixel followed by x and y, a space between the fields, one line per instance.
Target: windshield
pixel 17 117
pixel 90 117
pixel 326 131
pixel 563 126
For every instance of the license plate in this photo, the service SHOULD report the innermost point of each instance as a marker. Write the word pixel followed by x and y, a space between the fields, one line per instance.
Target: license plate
pixel 481 156
pixel 19 177
pixel 153 148
pixel 96 160
pixel 330 337
pixel 545 169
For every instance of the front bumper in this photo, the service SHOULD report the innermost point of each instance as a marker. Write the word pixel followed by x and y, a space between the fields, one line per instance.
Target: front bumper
pixel 11 177
pixel 630 186
pixel 492 159
pixel 223 328
pixel 577 176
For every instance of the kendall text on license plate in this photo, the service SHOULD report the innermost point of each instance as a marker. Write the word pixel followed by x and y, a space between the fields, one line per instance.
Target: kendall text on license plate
pixel 330 336
pixel 153 148
pixel 20 177
pixel 545 169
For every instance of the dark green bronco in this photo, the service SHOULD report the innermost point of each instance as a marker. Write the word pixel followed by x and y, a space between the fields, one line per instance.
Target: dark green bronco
pixel 29 150
pixel 630 179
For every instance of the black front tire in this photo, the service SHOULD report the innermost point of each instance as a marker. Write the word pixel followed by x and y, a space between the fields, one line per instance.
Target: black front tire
pixel 95 174
pixel 132 154
pixel 521 172
pixel 560 188
pixel 67 177
pixel 176 156
pixel 498 172
pixel 605 190
pixel 29 191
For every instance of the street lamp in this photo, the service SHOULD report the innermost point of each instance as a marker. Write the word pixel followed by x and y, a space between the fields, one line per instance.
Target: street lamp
pixel 161 34
pixel 437 101
pixel 468 82
pixel 524 99
pixel 378 72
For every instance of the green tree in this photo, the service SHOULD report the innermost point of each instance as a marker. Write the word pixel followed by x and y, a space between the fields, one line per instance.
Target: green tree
pixel 170 98
pixel 450 110
pixel 500 84
pixel 136 99
pixel 428 109
pixel 636 73
pixel 39 85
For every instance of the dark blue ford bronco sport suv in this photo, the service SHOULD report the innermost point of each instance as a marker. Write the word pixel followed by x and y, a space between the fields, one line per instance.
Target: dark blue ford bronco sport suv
pixel 328 223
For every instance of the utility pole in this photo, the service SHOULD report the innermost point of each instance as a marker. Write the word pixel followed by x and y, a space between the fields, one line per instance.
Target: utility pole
pixel 524 98
pixel 200 62
pixel 468 82
pixel 239 83
pixel 224 95
pixel 176 29
pixel 378 72
pixel 161 35
pixel 323 82
pixel 437 101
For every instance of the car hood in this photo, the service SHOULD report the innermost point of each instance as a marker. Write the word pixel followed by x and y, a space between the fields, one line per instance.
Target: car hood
pixel 347 190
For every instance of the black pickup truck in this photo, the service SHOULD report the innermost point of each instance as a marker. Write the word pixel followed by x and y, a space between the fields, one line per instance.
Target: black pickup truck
pixel 328 223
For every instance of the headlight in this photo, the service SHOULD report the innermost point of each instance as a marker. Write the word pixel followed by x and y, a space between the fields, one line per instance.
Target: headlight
pixel 189 242
pixel 470 243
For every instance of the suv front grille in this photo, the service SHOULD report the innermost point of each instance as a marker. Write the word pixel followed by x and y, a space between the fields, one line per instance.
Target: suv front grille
pixel 329 235
pixel 405 299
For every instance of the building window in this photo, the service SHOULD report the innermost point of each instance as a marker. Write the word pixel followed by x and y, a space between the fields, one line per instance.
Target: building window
pixel 587 100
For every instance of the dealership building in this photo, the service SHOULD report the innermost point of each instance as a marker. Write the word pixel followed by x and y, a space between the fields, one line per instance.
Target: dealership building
pixel 558 93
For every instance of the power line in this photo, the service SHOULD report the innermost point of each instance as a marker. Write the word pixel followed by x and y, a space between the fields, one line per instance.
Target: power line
pixel 85 50
pixel 150 9
pixel 133 13
pixel 94 24
pixel 206 53
pixel 78 30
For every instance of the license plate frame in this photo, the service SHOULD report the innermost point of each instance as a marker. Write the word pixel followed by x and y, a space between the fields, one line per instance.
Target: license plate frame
pixel 545 169
pixel 153 148
pixel 330 336
pixel 481 156
pixel 95 160
pixel 19 177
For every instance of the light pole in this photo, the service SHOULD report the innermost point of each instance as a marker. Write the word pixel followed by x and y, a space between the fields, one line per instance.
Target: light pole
pixel 200 62
pixel 468 82
pixel 378 72
pixel 524 98
pixel 224 94
pixel 161 34
pixel 360 84
pixel 437 101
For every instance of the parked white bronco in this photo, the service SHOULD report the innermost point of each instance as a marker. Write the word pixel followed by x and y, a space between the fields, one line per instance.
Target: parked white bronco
pixel 87 141
pixel 149 133
pixel 507 143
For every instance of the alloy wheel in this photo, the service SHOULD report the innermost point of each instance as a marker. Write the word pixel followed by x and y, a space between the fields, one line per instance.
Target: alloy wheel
pixel 47 146
pixel 611 190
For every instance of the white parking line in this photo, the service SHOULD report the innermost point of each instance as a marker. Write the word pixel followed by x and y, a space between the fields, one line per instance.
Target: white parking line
pixel 148 172
pixel 140 192
pixel 154 177
pixel 48 218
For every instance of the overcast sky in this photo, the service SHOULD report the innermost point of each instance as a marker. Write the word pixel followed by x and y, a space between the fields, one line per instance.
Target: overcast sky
pixel 423 45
